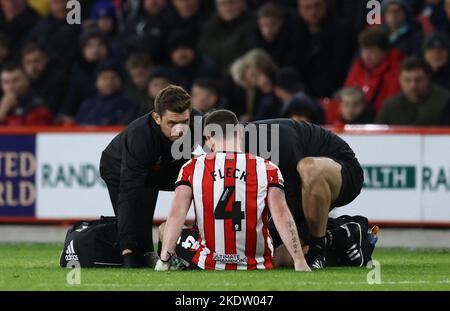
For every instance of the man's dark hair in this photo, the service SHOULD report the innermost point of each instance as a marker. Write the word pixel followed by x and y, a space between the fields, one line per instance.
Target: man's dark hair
pixel 11 66
pixel 30 48
pixel 221 118
pixel 374 37
pixel 414 63
pixel 271 10
pixel 173 98
pixel 208 84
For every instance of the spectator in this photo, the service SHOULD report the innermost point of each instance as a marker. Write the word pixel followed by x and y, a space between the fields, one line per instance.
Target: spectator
pixel 94 48
pixel 19 105
pixel 110 106
pixel 55 36
pixel 139 67
pixel 302 108
pixel 104 16
pixel 252 87
pixel 45 79
pixel 274 33
pixel 436 49
pixel 16 20
pixel 147 28
pixel 225 37
pixel 324 48
pixel 404 32
pixel 420 102
pixel 189 15
pixel 352 107
pixel 205 95
pixel 160 78
pixel 186 62
pixel 376 70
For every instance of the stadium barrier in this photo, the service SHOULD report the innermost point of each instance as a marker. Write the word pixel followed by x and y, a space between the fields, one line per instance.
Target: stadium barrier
pixel 50 175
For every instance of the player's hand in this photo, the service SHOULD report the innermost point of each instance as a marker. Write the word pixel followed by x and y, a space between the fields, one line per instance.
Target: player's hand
pixel 302 266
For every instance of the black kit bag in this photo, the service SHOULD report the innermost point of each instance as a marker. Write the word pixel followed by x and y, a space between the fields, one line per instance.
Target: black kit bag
pixel 92 244
pixel 361 245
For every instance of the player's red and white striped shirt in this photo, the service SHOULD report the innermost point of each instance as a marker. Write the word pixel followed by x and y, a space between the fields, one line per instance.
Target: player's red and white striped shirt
pixel 230 200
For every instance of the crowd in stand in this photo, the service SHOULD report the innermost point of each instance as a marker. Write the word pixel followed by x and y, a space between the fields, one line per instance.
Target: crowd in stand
pixel 314 60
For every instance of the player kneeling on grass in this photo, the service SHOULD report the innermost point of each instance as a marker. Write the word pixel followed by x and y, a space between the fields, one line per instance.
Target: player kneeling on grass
pixel 233 193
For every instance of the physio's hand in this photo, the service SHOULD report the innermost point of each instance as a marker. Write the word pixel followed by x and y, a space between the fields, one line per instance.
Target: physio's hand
pixel 302 266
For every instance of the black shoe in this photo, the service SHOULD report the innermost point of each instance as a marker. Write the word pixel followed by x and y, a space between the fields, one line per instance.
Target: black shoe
pixel 316 257
pixel 353 252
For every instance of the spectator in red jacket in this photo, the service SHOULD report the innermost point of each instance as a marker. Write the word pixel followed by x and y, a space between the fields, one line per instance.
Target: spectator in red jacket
pixel 376 70
pixel 19 105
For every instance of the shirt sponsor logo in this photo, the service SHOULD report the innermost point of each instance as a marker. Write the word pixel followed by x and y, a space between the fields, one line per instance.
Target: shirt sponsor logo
pixel 230 258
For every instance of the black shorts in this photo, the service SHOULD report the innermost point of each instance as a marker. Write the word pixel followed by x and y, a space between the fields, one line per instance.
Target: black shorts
pixel 352 182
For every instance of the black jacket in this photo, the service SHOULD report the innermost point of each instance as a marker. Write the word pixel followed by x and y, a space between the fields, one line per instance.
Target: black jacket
pixel 140 156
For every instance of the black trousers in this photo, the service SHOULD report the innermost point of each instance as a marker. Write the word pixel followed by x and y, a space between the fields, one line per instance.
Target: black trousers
pixel 136 223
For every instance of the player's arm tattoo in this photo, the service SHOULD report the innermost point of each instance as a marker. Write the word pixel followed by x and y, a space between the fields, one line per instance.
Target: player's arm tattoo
pixel 294 235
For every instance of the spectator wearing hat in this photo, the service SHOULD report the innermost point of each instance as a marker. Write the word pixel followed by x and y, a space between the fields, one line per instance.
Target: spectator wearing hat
pixel 58 39
pixel 19 105
pixel 16 20
pixel 104 15
pixel 302 108
pixel 436 54
pixel 274 32
pixel 420 102
pixel 376 70
pixel 110 106
pixel 404 32
pixel 225 36
pixel 46 79
pixel 186 62
pixel 324 47
pixel 94 47
pixel 352 108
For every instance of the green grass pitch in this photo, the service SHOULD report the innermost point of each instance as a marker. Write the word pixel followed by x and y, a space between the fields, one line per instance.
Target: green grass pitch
pixel 35 267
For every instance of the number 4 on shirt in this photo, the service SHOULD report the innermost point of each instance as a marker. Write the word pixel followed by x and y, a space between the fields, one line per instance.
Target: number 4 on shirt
pixel 236 213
